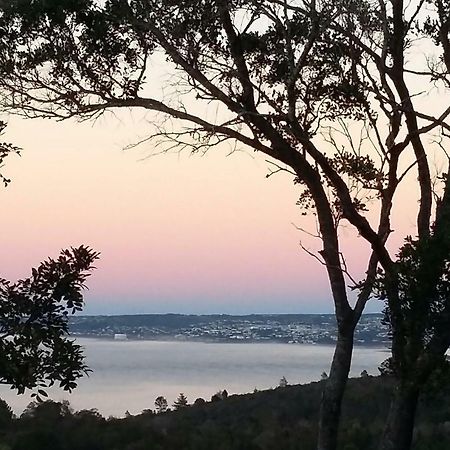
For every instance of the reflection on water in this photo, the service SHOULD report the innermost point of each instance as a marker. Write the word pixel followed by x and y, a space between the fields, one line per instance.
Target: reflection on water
pixel 129 375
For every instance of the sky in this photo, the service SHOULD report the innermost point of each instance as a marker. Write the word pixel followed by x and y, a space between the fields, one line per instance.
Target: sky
pixel 177 232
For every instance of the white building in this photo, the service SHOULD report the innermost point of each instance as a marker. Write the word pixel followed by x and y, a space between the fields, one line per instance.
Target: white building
pixel 120 337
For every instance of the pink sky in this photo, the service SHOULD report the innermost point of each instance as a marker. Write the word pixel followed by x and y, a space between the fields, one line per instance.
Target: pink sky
pixel 177 233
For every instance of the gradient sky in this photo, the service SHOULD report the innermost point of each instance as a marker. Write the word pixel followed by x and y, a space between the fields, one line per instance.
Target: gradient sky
pixel 177 233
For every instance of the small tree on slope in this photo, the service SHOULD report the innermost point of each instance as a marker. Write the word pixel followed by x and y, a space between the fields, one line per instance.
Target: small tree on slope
pixel 180 402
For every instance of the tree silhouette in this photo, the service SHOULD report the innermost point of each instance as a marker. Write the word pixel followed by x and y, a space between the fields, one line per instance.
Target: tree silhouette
pixel 6 414
pixel 161 404
pixel 419 323
pixel 318 87
pixel 5 150
pixel 180 402
pixel 35 349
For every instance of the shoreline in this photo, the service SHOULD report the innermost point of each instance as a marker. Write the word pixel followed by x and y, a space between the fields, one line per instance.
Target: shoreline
pixel 168 339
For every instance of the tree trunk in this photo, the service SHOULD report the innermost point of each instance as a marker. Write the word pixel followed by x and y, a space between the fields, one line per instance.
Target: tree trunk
pixel 399 428
pixel 330 407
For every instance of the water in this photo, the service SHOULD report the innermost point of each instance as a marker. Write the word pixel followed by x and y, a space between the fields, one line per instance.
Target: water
pixel 129 375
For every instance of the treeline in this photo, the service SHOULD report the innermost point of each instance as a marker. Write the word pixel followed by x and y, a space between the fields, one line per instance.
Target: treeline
pixel 283 418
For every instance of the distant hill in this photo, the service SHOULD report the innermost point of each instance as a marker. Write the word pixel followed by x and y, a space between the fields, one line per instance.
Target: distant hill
pixel 291 328
pixel 281 419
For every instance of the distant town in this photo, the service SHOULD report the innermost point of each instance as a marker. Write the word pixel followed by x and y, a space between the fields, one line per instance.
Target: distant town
pixel 283 328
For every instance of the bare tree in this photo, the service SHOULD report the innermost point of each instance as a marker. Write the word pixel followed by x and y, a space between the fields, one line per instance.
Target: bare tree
pixel 319 87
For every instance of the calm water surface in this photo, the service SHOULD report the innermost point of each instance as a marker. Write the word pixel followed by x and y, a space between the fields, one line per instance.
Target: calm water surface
pixel 129 375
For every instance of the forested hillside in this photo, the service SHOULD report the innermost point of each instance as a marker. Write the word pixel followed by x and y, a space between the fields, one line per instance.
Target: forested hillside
pixel 283 418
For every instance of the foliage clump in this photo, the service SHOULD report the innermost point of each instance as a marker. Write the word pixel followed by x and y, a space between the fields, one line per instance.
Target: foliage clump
pixel 35 348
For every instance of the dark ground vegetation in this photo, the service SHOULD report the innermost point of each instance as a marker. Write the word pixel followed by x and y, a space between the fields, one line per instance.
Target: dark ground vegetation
pixel 281 419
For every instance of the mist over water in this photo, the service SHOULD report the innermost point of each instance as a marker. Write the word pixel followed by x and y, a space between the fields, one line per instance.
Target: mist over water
pixel 129 375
